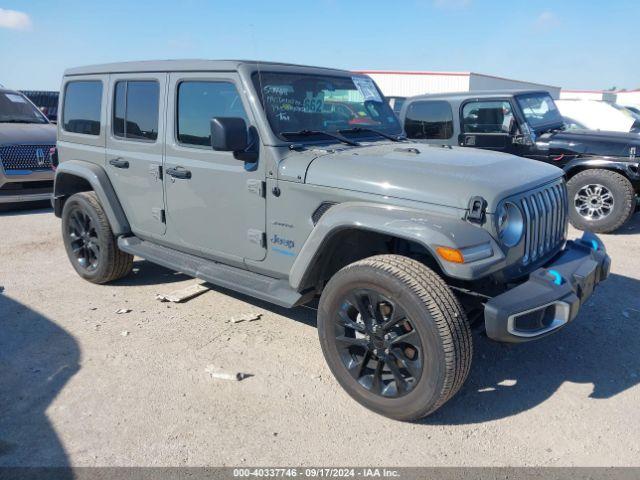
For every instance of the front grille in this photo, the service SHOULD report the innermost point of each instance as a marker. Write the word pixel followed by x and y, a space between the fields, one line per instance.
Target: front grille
pixel 25 157
pixel 545 215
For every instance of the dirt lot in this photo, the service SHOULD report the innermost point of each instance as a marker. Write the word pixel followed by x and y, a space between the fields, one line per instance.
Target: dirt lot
pixel 76 390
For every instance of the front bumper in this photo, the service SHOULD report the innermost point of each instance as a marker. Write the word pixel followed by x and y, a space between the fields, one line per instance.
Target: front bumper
pixel 28 186
pixel 552 296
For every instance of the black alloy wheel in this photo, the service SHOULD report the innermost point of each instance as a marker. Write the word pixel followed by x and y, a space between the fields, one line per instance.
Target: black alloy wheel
pixel 378 344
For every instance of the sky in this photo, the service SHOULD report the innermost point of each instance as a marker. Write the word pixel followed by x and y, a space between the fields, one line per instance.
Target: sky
pixel 570 43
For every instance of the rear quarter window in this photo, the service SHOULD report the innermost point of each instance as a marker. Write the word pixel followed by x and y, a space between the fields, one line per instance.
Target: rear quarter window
pixel 82 107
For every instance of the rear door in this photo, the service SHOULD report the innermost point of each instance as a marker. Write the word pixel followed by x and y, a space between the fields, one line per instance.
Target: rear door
pixel 135 148
pixel 487 124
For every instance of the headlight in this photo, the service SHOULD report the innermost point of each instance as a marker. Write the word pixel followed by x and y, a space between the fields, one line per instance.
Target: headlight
pixel 510 224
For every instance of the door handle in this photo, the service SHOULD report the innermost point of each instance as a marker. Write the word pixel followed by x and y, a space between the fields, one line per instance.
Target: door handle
pixel 119 163
pixel 178 172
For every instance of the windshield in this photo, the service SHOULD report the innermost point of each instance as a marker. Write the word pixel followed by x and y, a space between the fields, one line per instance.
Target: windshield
pixel 539 109
pixel 300 106
pixel 15 108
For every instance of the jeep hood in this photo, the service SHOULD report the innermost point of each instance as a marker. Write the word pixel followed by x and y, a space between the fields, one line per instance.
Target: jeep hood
pixel 27 133
pixel 447 176
pixel 591 142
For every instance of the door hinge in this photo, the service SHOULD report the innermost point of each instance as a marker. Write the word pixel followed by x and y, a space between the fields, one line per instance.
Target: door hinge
pixel 257 237
pixel 257 186
pixel 159 214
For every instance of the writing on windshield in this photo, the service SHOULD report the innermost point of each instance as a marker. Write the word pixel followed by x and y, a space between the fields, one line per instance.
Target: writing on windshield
pixel 304 103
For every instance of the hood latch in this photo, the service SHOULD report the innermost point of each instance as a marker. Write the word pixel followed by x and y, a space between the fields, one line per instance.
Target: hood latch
pixel 477 209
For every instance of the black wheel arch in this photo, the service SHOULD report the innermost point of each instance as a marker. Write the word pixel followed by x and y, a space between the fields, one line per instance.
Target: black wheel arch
pixel 77 176
pixel 629 170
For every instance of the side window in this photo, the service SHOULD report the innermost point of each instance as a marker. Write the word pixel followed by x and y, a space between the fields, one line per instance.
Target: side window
pixel 427 120
pixel 487 117
pixel 199 102
pixel 82 107
pixel 135 110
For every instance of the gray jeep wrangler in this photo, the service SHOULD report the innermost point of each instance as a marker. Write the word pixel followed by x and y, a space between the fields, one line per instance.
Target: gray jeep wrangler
pixel 288 183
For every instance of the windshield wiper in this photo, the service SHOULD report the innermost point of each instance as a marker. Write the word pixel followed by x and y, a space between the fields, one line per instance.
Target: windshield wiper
pixel 393 138
pixel 307 133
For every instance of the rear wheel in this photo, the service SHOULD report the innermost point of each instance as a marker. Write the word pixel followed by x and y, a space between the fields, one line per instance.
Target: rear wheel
pixel 89 241
pixel 394 336
pixel 600 201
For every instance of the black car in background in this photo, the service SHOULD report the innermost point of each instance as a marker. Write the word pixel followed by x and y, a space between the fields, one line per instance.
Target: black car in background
pixel 46 101
pixel 602 168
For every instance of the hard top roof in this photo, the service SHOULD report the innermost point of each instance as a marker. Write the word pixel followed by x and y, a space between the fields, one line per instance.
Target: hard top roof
pixel 460 96
pixel 188 65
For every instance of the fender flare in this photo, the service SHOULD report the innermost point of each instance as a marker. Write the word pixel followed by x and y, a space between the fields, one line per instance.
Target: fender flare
pixel 607 163
pixel 66 184
pixel 428 230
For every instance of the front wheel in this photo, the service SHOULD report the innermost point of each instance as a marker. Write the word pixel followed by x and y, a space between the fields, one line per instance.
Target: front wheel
pixel 600 201
pixel 394 336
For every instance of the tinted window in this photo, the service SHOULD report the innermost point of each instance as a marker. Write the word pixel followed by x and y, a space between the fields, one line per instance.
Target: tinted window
pixel 135 112
pixel 429 120
pixel 199 102
pixel 488 117
pixel 82 105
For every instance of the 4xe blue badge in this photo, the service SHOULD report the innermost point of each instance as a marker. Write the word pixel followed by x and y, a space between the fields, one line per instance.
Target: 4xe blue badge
pixel 280 244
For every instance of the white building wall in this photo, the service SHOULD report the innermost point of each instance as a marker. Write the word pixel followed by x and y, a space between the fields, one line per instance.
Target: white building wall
pixel 588 95
pixel 488 82
pixel 408 84
pixel 631 98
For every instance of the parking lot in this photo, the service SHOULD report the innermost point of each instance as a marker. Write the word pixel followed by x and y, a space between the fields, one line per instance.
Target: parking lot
pixel 84 385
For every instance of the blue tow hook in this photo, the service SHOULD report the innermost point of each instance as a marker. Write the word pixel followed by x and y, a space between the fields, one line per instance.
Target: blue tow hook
pixel 557 278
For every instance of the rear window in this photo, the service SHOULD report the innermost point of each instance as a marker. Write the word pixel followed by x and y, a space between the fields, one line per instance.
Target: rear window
pixel 82 107
pixel 135 113
pixel 425 120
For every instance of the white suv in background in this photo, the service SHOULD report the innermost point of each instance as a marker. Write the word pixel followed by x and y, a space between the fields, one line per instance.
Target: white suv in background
pixel 598 115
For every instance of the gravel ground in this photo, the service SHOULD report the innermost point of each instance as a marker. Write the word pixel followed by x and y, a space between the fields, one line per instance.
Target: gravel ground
pixel 76 390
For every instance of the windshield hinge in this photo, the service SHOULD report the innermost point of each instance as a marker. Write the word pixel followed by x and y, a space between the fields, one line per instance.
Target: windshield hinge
pixel 477 209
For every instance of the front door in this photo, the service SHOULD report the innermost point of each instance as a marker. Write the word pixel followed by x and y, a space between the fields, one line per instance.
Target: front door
pixel 487 124
pixel 215 201
pixel 135 133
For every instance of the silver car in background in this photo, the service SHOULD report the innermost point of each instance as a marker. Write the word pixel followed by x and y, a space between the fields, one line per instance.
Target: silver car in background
pixel 27 140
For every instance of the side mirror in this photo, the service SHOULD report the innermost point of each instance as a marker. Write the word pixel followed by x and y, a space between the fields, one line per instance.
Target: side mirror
pixel 229 134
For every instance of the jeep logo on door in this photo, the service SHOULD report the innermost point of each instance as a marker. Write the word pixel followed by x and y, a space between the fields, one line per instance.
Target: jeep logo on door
pixel 40 156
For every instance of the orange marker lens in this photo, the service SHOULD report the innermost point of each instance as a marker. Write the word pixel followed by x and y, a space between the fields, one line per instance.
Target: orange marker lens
pixel 450 254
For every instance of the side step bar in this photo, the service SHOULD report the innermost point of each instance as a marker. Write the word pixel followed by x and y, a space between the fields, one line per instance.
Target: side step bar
pixel 265 288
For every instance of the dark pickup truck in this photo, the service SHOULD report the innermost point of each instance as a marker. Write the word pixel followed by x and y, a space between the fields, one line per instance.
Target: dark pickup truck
pixel 602 168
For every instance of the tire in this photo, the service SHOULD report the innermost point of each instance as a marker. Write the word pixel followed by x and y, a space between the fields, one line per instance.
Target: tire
pixel 89 241
pixel 621 194
pixel 439 348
